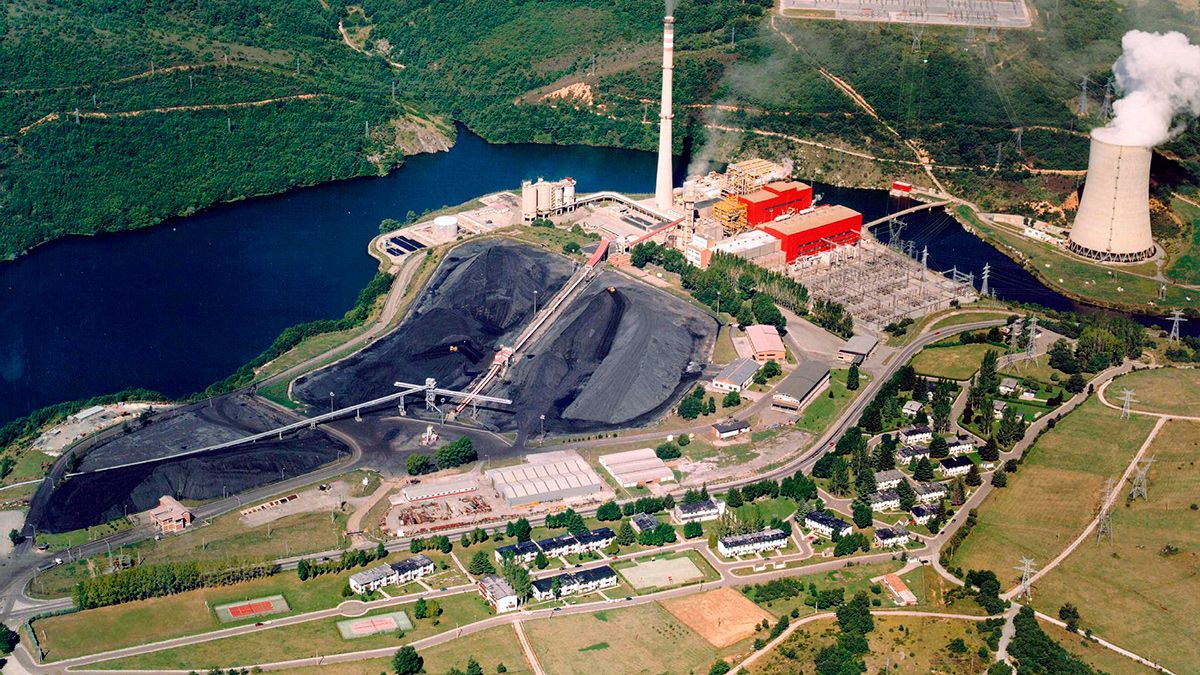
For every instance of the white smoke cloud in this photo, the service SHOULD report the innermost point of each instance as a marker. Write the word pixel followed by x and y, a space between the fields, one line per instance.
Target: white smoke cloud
pixel 1158 75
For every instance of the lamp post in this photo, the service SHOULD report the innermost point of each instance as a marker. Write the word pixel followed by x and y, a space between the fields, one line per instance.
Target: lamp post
pixel 331 401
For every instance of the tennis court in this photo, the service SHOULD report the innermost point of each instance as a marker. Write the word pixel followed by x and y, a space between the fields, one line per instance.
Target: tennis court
pixel 661 572
pixel 246 609
pixel 383 623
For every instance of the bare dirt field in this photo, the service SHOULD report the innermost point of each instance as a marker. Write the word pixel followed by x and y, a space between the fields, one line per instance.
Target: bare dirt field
pixel 665 572
pixel 723 617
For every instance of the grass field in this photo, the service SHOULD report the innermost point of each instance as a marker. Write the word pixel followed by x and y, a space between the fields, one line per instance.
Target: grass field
pixel 309 638
pixel 642 639
pixel 1098 657
pixel 970 317
pixel 63 540
pixel 133 623
pixel 30 464
pixel 1133 591
pixel 853 579
pixel 1175 391
pixel 1054 494
pixel 1037 368
pixel 723 351
pixel 916 645
pixel 958 362
pixel 822 409
pixel 1185 267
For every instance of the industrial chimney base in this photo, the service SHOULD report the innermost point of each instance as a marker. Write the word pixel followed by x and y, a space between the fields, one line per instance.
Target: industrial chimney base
pixel 1109 256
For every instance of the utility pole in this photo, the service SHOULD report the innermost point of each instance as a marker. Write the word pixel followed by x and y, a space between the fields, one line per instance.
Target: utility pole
pixel 1176 319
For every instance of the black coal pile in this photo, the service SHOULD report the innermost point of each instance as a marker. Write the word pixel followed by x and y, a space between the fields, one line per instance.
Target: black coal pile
pixel 620 355
pixel 480 298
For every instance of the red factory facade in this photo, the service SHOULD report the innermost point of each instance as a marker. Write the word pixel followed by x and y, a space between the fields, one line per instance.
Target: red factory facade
pixel 818 230
pixel 776 199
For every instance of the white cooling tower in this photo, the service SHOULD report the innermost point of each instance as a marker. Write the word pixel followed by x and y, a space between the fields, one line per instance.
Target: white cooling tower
pixel 664 181
pixel 1113 222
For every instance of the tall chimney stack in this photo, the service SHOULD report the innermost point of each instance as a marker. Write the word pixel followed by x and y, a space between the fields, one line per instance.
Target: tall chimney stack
pixel 663 184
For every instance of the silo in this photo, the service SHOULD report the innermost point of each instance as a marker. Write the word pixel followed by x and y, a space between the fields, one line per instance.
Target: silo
pixel 568 192
pixel 543 196
pixel 1113 221
pixel 446 226
pixel 528 201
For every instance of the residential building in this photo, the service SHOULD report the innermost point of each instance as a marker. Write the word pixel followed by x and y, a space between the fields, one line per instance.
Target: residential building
pixel 596 540
pixel 889 537
pixel 498 593
pixel 522 551
pixel 857 349
pixel 905 454
pixel 708 509
pixel 886 480
pixel 411 569
pixel 998 408
pixel 736 376
pixel 899 591
pixel 826 525
pixel 800 387
pixel 960 445
pixel 921 515
pixel 753 542
pixel 911 409
pixel 723 431
pixel 373 579
pixel 170 516
pixel 643 522
pixel 1009 386
pixel 555 547
pixel 765 344
pixel 884 500
pixel 955 466
pixel 571 583
pixel 917 433
pixel 930 493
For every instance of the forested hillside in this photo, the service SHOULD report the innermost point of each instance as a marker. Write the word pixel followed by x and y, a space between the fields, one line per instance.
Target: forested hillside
pixel 182 103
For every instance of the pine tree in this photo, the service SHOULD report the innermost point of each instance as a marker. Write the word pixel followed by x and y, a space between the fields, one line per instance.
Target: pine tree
pixel 839 477
pixel 924 470
pixel 625 534
pixel 973 477
pixel 958 493
pixel 908 498
pixel 540 560
pixel 734 498
pixel 852 378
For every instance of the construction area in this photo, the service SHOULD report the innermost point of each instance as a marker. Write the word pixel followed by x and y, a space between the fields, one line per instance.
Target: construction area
pixel 970 13
pixel 880 285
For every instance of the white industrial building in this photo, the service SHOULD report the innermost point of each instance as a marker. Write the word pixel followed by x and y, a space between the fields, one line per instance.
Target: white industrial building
pixel 1113 220
pixel 857 349
pixel 637 467
pixel 799 388
pixel 436 489
pixel 545 479
pixel 736 376
pixel 753 542
pixel 546 198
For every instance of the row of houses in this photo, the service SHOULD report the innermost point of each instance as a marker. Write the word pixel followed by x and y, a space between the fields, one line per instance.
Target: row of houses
pixel 395 574
pixel 557 547
pixel 956 446
pixel 828 526
pixel 583 581
pixel 752 542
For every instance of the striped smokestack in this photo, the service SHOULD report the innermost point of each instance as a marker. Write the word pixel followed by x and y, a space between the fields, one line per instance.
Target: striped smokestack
pixel 664 182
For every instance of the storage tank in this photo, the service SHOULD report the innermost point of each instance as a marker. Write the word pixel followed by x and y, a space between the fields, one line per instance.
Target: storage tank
pixel 446 226
pixel 568 192
pixel 528 201
pixel 543 196
pixel 1113 221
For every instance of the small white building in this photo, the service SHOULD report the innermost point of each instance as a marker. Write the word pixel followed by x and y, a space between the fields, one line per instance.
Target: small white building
pixel 826 525
pixel 723 431
pixel 929 493
pixel 887 480
pixel 960 445
pixel 955 466
pixel 884 500
pixel 917 433
pixel 1009 386
pixel 889 537
pixel 905 454
pixel 498 593
pixel 899 590
pixel 911 409
pixel 373 579
pixel 998 408
pixel 736 376
pixel 699 512
pixel 643 522
pixel 921 515
pixel 857 349
pixel 753 542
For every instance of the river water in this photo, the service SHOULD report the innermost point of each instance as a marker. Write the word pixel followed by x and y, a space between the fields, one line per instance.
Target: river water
pixel 181 305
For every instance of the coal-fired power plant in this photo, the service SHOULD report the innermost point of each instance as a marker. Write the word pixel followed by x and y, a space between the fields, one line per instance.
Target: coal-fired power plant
pixel 1113 221
pixel 663 182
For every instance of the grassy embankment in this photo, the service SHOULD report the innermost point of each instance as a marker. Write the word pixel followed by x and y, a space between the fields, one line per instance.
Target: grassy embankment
pixel 950 359
pixel 1053 496
pixel 1173 391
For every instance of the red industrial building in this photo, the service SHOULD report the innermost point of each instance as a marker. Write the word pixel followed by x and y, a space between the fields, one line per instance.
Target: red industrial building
pixel 776 199
pixel 815 231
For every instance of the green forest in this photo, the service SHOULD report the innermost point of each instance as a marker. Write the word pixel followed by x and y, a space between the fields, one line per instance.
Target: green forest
pixel 277 98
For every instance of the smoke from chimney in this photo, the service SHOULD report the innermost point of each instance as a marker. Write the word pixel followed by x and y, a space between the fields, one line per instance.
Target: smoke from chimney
pixel 1159 77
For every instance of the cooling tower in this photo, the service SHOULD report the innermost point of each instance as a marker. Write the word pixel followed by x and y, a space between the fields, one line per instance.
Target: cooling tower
pixel 1113 222
pixel 664 181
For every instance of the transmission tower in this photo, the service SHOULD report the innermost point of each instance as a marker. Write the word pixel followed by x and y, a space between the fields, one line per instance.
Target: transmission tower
pixel 1127 399
pixel 1013 337
pixel 1140 481
pixel 918 29
pixel 1020 130
pixel 987 270
pixel 1106 109
pixel 1083 100
pixel 1104 527
pixel 1176 319
pixel 1026 568
pixel 1031 340
pixel 925 259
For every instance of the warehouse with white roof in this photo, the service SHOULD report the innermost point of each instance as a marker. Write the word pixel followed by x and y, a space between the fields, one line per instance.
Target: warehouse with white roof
pixel 547 480
pixel 637 467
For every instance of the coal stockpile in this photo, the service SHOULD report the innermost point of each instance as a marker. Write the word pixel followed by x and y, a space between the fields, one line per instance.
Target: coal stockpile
pixel 481 296
pixel 620 355
pixel 93 498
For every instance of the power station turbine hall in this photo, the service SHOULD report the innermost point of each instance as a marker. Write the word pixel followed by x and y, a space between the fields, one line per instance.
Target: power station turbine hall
pixel 1113 222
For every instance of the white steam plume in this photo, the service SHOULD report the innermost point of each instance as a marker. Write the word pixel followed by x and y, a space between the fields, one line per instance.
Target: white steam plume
pixel 1158 75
